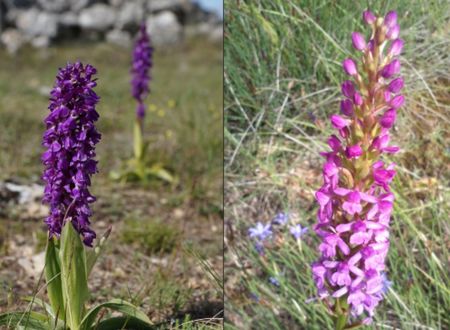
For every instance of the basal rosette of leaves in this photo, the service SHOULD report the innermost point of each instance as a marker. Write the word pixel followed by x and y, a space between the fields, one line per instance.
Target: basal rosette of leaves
pixel 355 199
pixel 69 162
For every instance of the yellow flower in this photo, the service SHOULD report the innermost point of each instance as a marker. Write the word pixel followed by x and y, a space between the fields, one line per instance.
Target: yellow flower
pixel 161 113
pixel 152 108
pixel 169 134
pixel 171 104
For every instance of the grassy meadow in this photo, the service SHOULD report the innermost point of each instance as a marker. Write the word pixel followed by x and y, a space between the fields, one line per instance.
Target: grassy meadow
pixel 165 250
pixel 282 82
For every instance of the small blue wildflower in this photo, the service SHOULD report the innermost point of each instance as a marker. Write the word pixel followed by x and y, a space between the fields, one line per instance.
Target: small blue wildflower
pixel 259 248
pixel 297 231
pixel 274 281
pixel 281 219
pixel 260 231
pixel 254 297
pixel 386 283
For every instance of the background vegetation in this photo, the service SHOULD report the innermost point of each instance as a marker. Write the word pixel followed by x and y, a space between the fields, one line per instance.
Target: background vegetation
pixel 166 240
pixel 282 81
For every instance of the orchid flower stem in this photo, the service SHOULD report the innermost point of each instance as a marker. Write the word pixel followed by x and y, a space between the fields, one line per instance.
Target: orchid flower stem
pixel 354 326
pixel 138 140
pixel 341 309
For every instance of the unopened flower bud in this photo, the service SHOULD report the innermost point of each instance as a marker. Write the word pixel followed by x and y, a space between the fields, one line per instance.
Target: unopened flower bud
pixel 348 89
pixel 388 118
pixel 339 122
pixel 396 47
pixel 349 67
pixel 393 32
pixel 353 151
pixel 347 107
pixel 391 69
pixel 396 85
pixel 357 99
pixel 397 101
pixel 390 19
pixel 369 17
pixel 358 41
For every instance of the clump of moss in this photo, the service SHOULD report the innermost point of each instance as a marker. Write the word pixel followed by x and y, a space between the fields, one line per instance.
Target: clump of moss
pixel 152 236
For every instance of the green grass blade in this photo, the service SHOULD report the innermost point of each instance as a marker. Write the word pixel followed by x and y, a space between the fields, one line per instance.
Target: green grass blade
pixel 35 321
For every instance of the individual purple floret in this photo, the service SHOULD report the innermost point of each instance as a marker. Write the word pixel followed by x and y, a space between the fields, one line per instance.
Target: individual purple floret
pixel 297 231
pixel 140 72
pixel 70 140
pixel 355 200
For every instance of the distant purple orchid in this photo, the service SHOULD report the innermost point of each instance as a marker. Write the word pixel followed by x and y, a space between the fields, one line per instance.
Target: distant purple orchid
pixel 140 72
pixel 355 200
pixel 70 140
pixel 297 231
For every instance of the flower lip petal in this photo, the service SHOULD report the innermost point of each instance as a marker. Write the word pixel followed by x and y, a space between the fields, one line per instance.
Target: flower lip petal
pixel 368 198
pixel 344 227
pixel 322 198
pixel 341 191
pixel 338 122
pixel 340 292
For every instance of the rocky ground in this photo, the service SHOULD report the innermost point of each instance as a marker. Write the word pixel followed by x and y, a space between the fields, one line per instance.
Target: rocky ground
pixel 166 285
pixel 44 22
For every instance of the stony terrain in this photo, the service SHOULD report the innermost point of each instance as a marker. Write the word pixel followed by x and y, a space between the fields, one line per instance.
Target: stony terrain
pixel 45 22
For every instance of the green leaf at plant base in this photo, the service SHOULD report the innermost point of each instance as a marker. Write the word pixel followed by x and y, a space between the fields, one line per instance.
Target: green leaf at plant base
pixel 123 322
pixel 158 171
pixel 117 305
pixel 74 275
pixel 42 304
pixel 55 322
pixel 52 273
pixel 25 320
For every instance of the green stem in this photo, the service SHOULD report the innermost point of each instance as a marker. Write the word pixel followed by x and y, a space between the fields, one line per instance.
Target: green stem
pixel 138 139
pixel 341 312
pixel 341 321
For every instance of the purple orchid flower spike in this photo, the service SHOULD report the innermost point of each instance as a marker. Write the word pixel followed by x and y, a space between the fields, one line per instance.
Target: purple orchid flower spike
pixel 355 201
pixel 70 140
pixel 140 71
